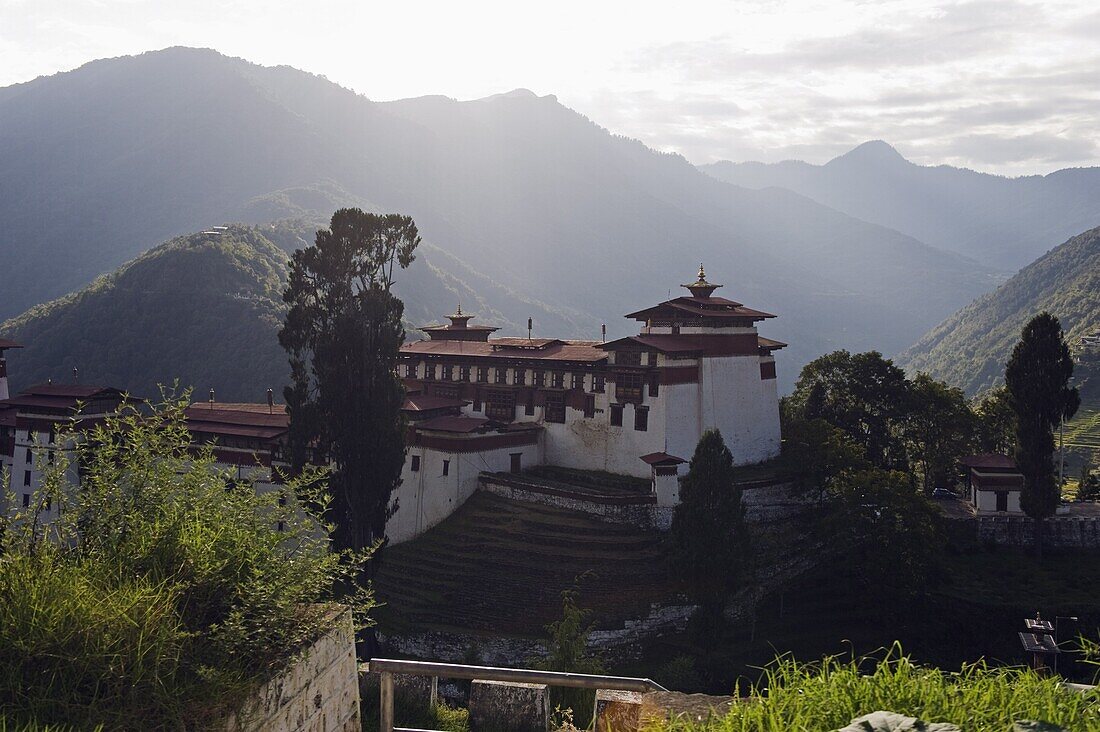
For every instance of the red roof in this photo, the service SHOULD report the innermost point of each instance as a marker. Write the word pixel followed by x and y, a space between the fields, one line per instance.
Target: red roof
pixel 769 344
pixel 5 344
pixel 427 402
pixel 61 396
pixel 453 423
pixel 239 420
pixel 575 351
pixel 989 461
pixel 710 307
pixel 662 458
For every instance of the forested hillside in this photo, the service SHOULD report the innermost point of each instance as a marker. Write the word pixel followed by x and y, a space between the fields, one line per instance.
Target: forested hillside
pixel 204 309
pixel 534 208
pixel 970 348
pixel 1006 222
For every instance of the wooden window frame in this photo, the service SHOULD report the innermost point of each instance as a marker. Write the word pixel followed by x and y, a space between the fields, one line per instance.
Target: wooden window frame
pixel 589 405
pixel 616 415
pixel 500 405
pixel 577 381
pixel 641 419
pixel 482 375
pixel 554 410
pixel 599 383
pixel 500 375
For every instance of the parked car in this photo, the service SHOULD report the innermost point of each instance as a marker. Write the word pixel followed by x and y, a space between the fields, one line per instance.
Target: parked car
pixel 943 493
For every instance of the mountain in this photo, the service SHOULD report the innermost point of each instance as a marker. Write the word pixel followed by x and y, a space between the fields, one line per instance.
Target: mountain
pixel 528 204
pixel 204 309
pixel 1005 221
pixel 970 348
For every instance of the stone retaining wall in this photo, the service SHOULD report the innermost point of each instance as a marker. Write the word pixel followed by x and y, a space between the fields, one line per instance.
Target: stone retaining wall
pixel 318 692
pixel 1078 532
pixel 640 510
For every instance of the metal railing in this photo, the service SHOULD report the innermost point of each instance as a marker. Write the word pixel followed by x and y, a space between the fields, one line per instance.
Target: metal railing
pixel 387 667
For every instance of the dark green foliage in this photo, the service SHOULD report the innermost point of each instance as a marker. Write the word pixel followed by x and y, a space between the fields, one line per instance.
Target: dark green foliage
pixel 1037 377
pixel 815 453
pixel 567 650
pixel 708 529
pixel 863 394
pixel 163 593
pixel 970 348
pixel 895 530
pixel 996 422
pixel 940 430
pixel 343 332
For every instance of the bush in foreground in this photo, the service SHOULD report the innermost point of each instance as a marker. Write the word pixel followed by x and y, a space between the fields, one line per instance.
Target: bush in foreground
pixel 826 696
pixel 161 591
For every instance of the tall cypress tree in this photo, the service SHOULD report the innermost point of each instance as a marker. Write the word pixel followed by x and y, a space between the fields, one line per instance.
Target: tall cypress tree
pixel 1037 377
pixel 708 528
pixel 342 333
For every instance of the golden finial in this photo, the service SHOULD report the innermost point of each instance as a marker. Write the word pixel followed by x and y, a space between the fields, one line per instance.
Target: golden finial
pixel 702 274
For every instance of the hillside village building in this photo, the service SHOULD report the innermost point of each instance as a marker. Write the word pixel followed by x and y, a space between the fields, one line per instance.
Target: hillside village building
pixel 478 405
pixel 635 406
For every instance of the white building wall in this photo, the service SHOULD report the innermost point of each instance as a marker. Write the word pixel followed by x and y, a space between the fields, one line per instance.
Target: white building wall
pixel 426 497
pixel 986 501
pixel 744 407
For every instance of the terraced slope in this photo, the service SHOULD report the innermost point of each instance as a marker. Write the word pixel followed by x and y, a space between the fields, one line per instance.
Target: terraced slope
pixel 500 565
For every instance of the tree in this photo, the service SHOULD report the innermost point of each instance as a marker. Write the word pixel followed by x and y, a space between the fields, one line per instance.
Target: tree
pixel 894 528
pixel 567 650
pixel 342 333
pixel 863 394
pixel 815 453
pixel 1037 377
pixel 708 528
pixel 939 430
pixel 996 422
pixel 1088 488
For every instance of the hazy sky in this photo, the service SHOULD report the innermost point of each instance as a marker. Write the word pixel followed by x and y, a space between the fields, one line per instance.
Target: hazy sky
pixel 996 85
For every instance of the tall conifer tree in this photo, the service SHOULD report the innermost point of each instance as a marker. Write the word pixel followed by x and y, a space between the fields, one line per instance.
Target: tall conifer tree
pixel 1037 377
pixel 342 333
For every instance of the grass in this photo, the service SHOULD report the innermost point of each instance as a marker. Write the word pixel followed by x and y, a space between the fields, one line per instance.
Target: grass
pixel 798 697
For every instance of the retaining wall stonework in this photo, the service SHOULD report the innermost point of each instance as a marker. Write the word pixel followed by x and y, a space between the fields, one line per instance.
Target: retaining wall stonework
pixel 1077 532
pixel 318 692
pixel 638 511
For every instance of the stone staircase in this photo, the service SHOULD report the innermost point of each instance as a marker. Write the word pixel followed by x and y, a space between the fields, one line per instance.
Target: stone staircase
pixel 499 566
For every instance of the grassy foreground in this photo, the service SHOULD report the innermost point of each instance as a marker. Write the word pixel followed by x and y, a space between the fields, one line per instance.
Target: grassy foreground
pixel 797 697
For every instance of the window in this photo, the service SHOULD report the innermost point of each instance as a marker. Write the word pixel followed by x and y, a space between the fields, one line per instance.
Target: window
pixel 1002 500
pixel 628 387
pixel 429 372
pixel 616 415
pixel 30 457
pixel 477 402
pixel 501 376
pixel 555 407
pixel 482 375
pixel 282 500
pixel 589 405
pixel 539 378
pixel 463 373
pixel 529 405
pixel 641 418
pixel 26 500
pixel 598 383
pixel 517 462
pixel 557 379
pixel 281 526
pixel 578 381
pixel 26 477
pixel 519 377
pixel 414 464
pixel 501 405
pixel 654 384
pixel 448 372
pixel 628 358
pixel 446 467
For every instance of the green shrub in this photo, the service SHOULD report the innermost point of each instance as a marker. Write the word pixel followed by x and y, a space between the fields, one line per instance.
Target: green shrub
pixel 828 695
pixel 162 591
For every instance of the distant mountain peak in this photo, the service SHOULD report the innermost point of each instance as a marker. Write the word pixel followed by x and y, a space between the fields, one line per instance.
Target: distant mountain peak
pixel 872 151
